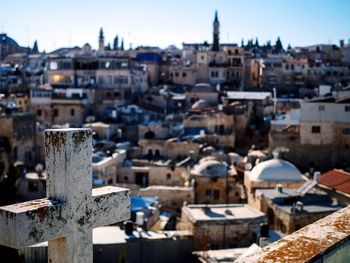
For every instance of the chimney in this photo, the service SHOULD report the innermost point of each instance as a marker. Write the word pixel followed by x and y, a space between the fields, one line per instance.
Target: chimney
pixel 299 206
pixel 264 230
pixel 317 176
pixel 279 188
pixel 341 43
pixel 128 227
pixel 139 218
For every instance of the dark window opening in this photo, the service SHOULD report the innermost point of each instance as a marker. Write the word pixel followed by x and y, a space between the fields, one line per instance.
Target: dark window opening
pixel 216 194
pixel 33 187
pixel 316 129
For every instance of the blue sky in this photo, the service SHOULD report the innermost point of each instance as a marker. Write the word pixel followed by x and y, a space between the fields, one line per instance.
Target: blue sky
pixel 162 22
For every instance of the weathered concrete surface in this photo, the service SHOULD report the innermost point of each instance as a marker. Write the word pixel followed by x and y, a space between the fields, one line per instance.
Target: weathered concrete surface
pixel 70 211
pixel 307 243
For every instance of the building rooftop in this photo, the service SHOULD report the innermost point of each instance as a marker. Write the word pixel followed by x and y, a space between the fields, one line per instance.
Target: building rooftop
pixel 312 202
pixel 336 179
pixel 316 241
pixel 276 170
pixel 273 193
pixel 222 212
pixel 248 95
pixel 320 207
pixel 210 168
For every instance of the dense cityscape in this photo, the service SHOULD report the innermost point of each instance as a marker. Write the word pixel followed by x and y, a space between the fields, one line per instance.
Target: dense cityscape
pixel 232 152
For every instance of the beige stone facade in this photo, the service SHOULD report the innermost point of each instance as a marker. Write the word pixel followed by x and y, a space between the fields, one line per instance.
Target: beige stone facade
pixel 171 198
pixel 221 226
pixel 170 149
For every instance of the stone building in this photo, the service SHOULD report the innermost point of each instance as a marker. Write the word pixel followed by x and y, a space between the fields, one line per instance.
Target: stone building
pixel 221 226
pixel 183 75
pixel 171 198
pixel 19 131
pixel 322 139
pixel 168 149
pixel 105 170
pixel 215 182
pixel 59 106
pixel 289 210
pixel 143 173
pixel 214 125
pixel 202 91
pixel 268 174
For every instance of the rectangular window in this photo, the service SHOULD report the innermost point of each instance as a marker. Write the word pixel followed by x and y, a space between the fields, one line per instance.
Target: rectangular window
pixel 347 108
pixel 38 113
pixel 214 246
pixel 316 129
pixel 184 74
pixel 321 108
pixel 55 112
pixel 72 112
pixel 216 194
pixel 208 193
pixel 168 176
pixel 346 131
pixel 66 65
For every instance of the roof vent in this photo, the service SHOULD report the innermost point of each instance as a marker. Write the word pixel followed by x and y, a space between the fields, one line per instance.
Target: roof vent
pixel 299 206
pixel 228 212
pixel 278 151
pixel 317 176
pixel 279 188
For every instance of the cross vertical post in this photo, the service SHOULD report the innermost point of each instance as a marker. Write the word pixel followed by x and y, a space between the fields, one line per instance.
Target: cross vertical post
pixel 72 208
pixel 69 180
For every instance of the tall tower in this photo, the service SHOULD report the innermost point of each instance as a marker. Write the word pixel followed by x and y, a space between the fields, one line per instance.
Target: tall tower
pixel 216 32
pixel 101 40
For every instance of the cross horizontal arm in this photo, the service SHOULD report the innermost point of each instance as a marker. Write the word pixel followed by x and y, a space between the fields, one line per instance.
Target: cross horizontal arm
pixel 110 205
pixel 31 222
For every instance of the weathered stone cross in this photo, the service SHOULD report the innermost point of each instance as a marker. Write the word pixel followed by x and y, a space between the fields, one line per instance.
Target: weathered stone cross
pixel 66 217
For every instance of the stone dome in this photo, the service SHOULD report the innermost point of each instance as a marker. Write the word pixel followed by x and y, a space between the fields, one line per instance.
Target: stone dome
pixel 210 168
pixel 276 170
pixel 200 104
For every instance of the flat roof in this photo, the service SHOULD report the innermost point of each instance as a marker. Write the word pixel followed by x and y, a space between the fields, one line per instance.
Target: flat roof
pixel 273 193
pixel 248 95
pixel 222 212
pixel 311 208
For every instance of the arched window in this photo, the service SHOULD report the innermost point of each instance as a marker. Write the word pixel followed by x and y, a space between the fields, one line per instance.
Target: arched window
pixel 149 135
pixel 150 154
pixel 157 154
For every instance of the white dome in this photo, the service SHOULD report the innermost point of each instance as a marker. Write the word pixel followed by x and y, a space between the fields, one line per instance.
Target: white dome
pixel 210 168
pixel 275 170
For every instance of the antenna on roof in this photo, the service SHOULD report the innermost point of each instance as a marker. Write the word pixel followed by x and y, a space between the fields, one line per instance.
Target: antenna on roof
pixel 278 150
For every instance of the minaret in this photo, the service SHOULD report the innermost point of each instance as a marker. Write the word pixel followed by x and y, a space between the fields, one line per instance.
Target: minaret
pixel 216 32
pixel 122 45
pixel 35 48
pixel 101 40
pixel 116 43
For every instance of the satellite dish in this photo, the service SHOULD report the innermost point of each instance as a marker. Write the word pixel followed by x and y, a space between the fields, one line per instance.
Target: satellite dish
pixel 39 168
